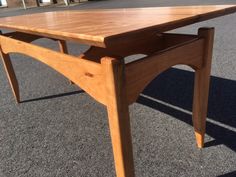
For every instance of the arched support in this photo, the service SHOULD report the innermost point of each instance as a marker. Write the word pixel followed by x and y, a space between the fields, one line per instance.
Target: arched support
pixel 141 72
pixel 7 61
pixel 87 74
pixel 196 54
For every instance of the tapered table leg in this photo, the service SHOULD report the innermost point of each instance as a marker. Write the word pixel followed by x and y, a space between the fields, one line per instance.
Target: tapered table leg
pixel 118 116
pixel 63 49
pixel 201 87
pixel 11 75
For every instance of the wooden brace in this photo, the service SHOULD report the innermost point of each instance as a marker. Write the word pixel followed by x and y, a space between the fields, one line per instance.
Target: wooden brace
pixel 7 61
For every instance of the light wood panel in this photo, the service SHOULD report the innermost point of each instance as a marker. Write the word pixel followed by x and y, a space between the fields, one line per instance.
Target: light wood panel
pixel 110 27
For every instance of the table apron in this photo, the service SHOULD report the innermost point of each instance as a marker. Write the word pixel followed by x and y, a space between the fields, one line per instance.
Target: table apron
pixel 141 72
pixel 85 73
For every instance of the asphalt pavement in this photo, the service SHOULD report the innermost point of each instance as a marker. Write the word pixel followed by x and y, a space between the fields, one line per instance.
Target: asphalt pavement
pixel 60 131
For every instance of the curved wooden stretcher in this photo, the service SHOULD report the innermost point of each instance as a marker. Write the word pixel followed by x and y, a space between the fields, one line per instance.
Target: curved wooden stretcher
pixel 102 72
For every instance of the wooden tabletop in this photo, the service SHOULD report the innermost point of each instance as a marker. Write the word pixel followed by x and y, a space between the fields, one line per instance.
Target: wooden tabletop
pixel 99 27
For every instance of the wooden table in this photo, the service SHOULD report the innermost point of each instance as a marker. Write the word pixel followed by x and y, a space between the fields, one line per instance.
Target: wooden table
pixel 102 72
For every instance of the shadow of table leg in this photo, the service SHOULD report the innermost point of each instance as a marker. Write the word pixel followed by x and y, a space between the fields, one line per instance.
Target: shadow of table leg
pixel 175 87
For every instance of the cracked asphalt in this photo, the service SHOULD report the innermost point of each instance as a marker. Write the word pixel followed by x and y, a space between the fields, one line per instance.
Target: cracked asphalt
pixel 60 131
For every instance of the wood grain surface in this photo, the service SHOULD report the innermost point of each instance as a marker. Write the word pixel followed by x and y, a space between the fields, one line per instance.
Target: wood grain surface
pixel 103 27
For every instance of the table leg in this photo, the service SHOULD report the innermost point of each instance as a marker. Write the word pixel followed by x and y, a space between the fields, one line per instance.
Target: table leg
pixel 11 75
pixel 63 49
pixel 62 46
pixel 201 87
pixel 118 116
